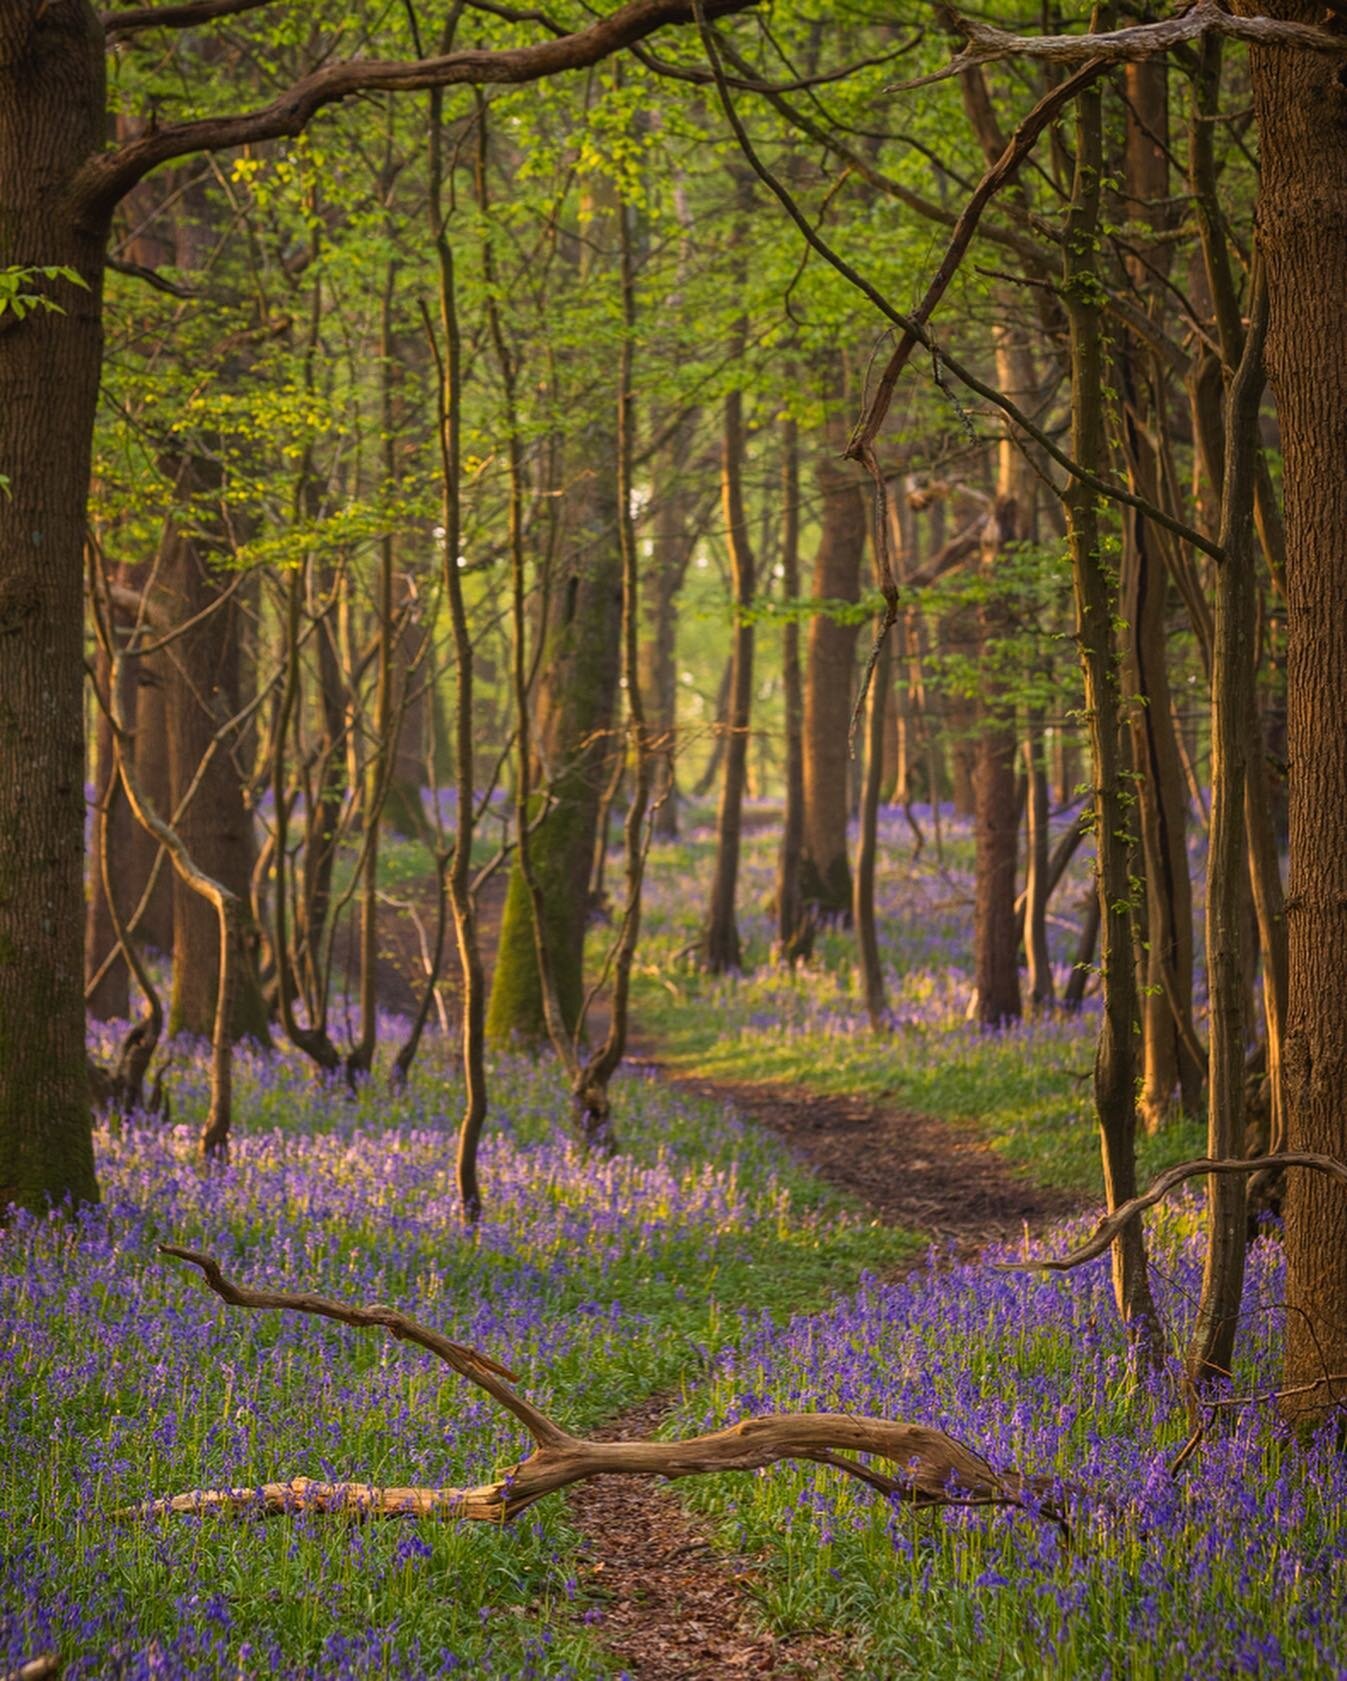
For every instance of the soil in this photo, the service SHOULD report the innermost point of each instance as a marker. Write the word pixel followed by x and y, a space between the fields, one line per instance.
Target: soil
pixel 910 1170
pixel 675 1607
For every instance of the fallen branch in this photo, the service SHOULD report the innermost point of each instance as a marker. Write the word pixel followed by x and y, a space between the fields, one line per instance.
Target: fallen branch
pixel 36 1669
pixel 1109 1227
pixel 930 1468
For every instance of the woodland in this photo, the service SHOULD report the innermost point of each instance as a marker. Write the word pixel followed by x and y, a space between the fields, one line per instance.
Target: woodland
pixel 673 839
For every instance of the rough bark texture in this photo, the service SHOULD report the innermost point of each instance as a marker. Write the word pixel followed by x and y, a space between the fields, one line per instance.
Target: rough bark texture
pixel 830 670
pixel 1301 104
pixel 51 120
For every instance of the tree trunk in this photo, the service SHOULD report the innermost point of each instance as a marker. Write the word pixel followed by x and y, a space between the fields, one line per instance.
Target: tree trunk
pixel 996 928
pixel 1301 104
pixel 830 683
pixel 51 120
pixel 1037 885
pixel 106 972
pixel 1232 686
pixel 215 826
pixel 792 926
pixel 1096 609
pixel 720 948
pixel 670 552
pixel 867 934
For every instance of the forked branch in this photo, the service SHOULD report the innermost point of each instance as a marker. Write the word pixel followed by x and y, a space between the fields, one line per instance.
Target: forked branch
pixel 929 1467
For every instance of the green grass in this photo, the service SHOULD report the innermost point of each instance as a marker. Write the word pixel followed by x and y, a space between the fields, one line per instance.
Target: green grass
pixel 600 1283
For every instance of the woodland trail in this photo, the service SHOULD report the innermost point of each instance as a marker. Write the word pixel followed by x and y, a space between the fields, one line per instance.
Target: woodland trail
pixel 675 1607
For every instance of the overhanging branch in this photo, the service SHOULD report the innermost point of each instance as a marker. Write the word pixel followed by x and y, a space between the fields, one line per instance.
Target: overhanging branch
pixel 986 44
pixel 105 180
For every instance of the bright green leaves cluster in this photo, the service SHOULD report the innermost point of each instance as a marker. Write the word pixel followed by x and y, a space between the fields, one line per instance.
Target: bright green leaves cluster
pixel 17 298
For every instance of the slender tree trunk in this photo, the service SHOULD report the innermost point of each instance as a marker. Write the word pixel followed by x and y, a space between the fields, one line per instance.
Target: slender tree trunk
pixel 867 934
pixel 1232 686
pixel 1037 889
pixel 105 967
pixel 670 552
pixel 721 950
pixel 51 120
pixel 830 683
pixel 1096 610
pixel 996 928
pixel 792 930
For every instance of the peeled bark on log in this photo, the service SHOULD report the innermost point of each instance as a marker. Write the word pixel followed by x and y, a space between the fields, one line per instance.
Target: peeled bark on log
pixel 931 1468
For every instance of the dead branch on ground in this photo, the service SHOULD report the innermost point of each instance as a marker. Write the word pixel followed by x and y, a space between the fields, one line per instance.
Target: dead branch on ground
pixel 930 1468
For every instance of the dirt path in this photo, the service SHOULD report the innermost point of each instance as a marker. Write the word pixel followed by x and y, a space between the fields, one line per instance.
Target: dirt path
pixel 675 1608
pixel 911 1170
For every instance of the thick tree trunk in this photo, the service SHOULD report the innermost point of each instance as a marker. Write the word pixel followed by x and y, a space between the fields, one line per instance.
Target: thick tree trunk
pixel 51 121
pixel 1301 104
pixel 579 667
pixel 830 671
pixel 202 695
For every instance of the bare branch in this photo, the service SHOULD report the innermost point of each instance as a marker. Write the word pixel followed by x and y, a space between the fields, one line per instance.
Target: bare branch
pixel 134 18
pixel 1109 1227
pixel 931 1468
pixel 106 179
pixel 1004 169
pixel 987 44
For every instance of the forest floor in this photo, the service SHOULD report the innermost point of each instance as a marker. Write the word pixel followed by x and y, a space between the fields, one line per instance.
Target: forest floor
pixel 676 1606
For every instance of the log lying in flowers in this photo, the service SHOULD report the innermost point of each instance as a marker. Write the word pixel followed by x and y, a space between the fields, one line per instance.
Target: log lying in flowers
pixel 1109 1227
pixel 930 1468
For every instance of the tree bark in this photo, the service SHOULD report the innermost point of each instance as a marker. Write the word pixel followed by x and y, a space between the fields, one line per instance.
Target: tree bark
pixel 793 925
pixel 830 671
pixel 721 950
pixel 1096 609
pixel 1301 104
pixel 51 121
pixel 202 693
pixel 1232 687
pixel 996 928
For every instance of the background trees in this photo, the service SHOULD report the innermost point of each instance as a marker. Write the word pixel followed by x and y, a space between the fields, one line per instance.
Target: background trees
pixel 293 573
